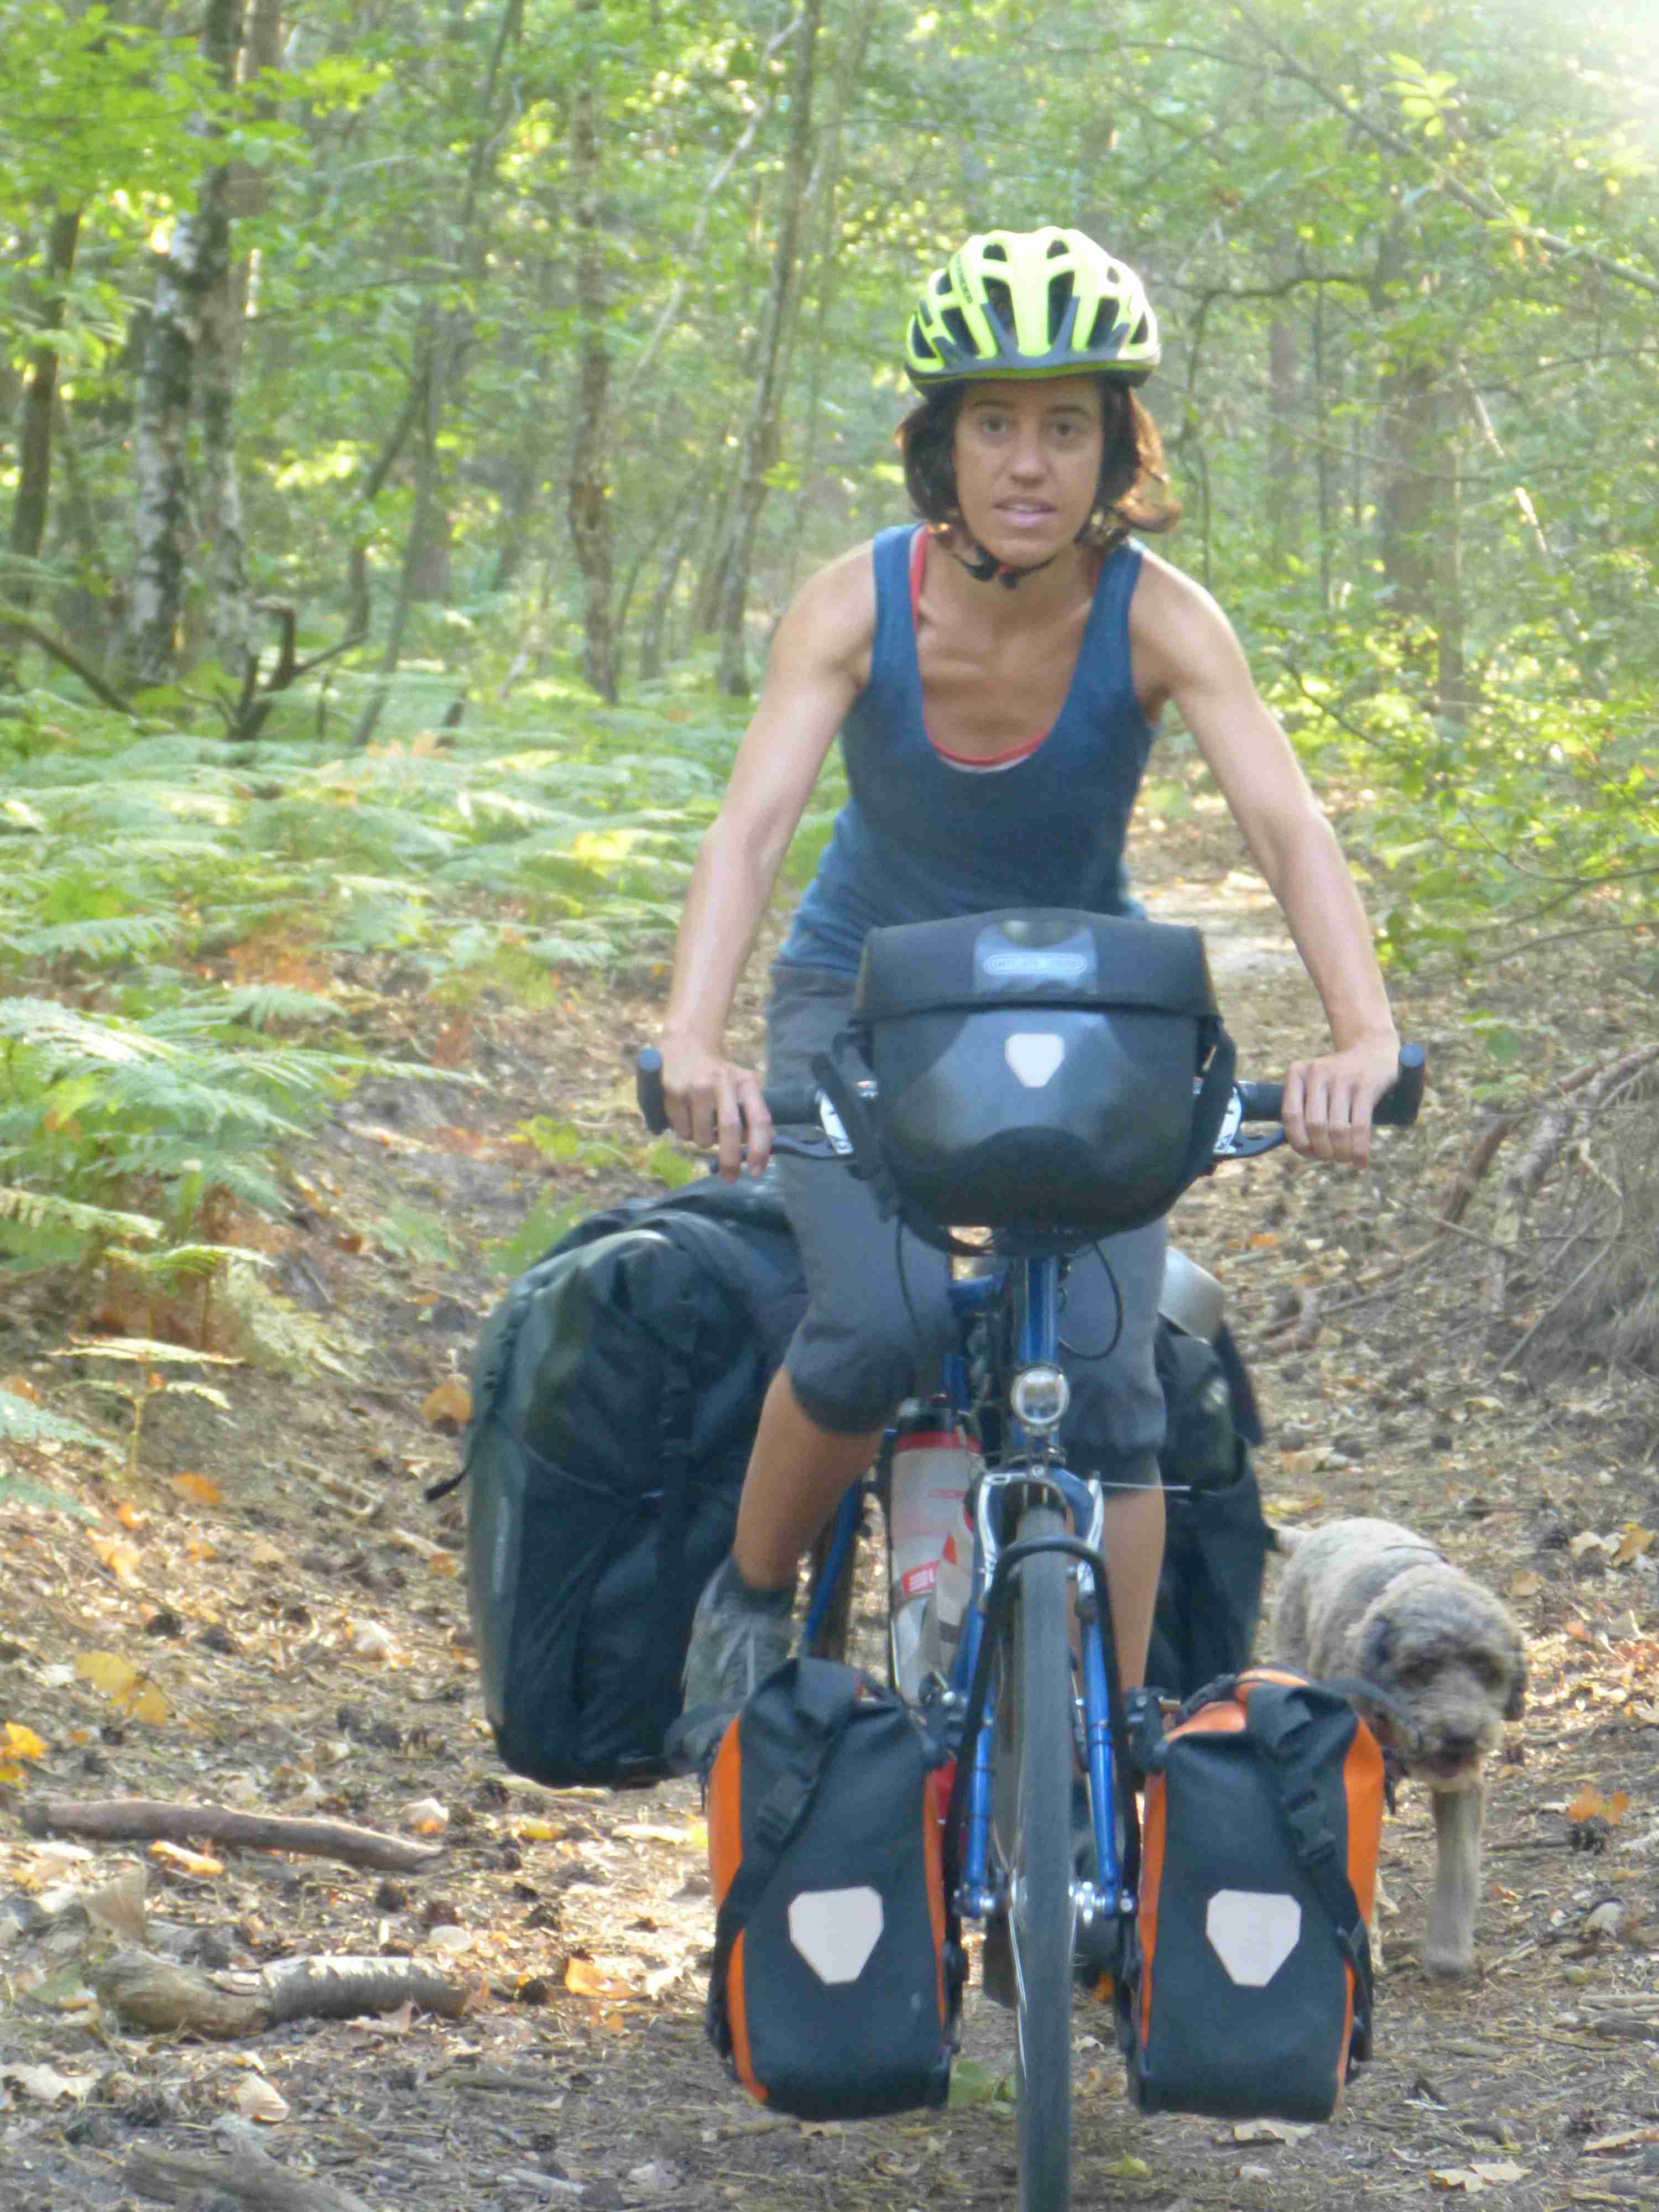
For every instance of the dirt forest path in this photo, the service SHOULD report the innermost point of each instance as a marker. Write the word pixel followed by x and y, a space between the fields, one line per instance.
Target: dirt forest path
pixel 268 1617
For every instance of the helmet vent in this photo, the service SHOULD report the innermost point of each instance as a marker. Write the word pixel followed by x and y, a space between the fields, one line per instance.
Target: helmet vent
pixel 956 324
pixel 1139 336
pixel 1061 300
pixel 994 250
pixel 1001 301
pixel 1057 246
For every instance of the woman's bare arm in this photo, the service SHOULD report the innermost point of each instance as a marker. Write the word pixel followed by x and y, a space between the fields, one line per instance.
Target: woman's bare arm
pixel 1185 650
pixel 819 661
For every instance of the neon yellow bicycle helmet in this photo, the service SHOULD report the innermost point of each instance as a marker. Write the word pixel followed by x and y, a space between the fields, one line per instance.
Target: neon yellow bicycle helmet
pixel 1031 303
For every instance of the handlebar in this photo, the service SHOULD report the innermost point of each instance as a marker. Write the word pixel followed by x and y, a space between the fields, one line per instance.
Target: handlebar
pixel 791 1105
pixel 800 1104
pixel 1395 1110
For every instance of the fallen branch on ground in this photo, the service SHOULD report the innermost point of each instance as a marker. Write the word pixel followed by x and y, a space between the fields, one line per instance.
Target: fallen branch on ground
pixel 164 1999
pixel 1557 1125
pixel 1297 1329
pixel 127 1819
pixel 247 2173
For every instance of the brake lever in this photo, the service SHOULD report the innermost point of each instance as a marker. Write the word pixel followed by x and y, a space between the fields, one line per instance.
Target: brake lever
pixel 1234 1142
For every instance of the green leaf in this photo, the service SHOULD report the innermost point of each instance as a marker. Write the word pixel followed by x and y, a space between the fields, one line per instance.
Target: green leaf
pixel 23 1422
pixel 672 1166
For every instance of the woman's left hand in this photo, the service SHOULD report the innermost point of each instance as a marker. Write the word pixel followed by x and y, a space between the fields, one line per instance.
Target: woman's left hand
pixel 1328 1101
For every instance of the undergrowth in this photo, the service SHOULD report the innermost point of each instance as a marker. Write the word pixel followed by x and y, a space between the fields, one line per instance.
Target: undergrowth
pixel 178 914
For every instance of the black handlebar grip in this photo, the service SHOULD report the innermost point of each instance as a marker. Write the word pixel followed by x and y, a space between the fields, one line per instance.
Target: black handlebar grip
pixel 789 1103
pixel 1397 1107
pixel 1259 1101
pixel 647 1088
pixel 1395 1110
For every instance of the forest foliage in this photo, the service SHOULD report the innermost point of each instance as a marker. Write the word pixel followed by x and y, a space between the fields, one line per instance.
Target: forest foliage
pixel 415 413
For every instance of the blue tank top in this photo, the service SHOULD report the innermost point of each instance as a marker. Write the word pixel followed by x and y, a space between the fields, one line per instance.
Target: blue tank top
pixel 920 839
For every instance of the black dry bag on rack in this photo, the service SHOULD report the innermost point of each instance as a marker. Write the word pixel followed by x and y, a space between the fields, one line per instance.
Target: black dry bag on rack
pixel 615 1392
pixel 1216 1539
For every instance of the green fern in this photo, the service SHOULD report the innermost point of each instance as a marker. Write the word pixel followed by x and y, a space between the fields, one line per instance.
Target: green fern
pixel 16 1491
pixel 22 1422
pixel 105 937
pixel 40 1209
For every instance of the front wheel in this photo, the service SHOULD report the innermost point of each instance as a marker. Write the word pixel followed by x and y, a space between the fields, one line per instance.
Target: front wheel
pixel 1034 1799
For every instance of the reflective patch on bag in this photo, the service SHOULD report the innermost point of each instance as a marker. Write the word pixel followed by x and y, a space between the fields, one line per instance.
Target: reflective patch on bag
pixel 1253 1932
pixel 1034 1056
pixel 836 1930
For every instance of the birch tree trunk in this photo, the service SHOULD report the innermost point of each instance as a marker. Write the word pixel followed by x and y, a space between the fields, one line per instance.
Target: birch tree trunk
pixel 588 497
pixel 761 433
pixel 194 271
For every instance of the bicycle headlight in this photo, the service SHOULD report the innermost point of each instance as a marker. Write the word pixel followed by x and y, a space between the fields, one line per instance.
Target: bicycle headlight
pixel 1039 1397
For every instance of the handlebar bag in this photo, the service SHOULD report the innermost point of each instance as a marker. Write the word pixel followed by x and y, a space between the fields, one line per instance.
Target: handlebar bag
pixel 1042 1069
pixel 1246 1992
pixel 837 1974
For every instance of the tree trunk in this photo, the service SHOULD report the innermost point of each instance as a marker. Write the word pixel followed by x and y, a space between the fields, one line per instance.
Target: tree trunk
pixel 1281 446
pixel 221 313
pixel 28 513
pixel 820 232
pixel 443 338
pixel 83 607
pixel 193 274
pixel 1451 674
pixel 430 385
pixel 1408 494
pixel 1409 457
pixel 1323 471
pixel 655 626
pixel 762 434
pixel 161 420
pixel 707 599
pixel 588 500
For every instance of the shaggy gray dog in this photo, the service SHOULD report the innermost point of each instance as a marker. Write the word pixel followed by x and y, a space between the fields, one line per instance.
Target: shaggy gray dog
pixel 1371 1599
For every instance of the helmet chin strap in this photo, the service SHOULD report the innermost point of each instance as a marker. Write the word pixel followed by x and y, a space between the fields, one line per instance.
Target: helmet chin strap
pixel 986 568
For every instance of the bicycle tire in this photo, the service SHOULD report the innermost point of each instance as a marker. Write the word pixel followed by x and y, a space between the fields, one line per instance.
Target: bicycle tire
pixel 1034 1796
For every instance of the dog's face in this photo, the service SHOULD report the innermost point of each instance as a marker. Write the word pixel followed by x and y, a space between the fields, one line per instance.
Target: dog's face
pixel 1449 1658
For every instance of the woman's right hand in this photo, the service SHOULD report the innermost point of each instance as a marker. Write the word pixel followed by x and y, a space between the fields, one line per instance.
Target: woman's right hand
pixel 712 1102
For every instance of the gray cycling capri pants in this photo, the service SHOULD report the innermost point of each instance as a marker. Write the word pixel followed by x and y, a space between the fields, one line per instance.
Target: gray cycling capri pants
pixel 879 1318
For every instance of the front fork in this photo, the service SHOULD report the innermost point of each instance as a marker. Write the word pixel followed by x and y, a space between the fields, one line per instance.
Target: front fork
pixel 1000 1495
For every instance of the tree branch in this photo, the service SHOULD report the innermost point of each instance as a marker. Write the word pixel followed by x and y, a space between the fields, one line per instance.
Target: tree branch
pixel 1488 208
pixel 15 618
pixel 130 1819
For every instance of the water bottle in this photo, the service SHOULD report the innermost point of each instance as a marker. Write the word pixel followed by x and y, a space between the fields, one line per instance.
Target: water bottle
pixel 931 1468
pixel 953 1586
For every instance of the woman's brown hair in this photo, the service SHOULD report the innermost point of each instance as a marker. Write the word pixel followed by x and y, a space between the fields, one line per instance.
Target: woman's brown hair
pixel 1130 494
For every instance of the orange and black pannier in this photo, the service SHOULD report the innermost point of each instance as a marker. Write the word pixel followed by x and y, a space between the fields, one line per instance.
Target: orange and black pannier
pixel 1247 1991
pixel 836 1981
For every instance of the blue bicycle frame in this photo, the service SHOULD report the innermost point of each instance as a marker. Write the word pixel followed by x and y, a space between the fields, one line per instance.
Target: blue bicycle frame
pixel 980 1890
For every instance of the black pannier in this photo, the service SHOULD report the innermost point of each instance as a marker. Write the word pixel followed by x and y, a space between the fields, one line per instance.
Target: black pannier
pixel 615 1392
pixel 1041 1069
pixel 1216 1540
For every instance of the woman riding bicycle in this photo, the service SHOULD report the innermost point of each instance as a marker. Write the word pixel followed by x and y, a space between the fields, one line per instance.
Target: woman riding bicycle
pixel 996 676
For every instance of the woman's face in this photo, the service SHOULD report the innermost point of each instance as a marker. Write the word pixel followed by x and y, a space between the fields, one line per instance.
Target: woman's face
pixel 1027 456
